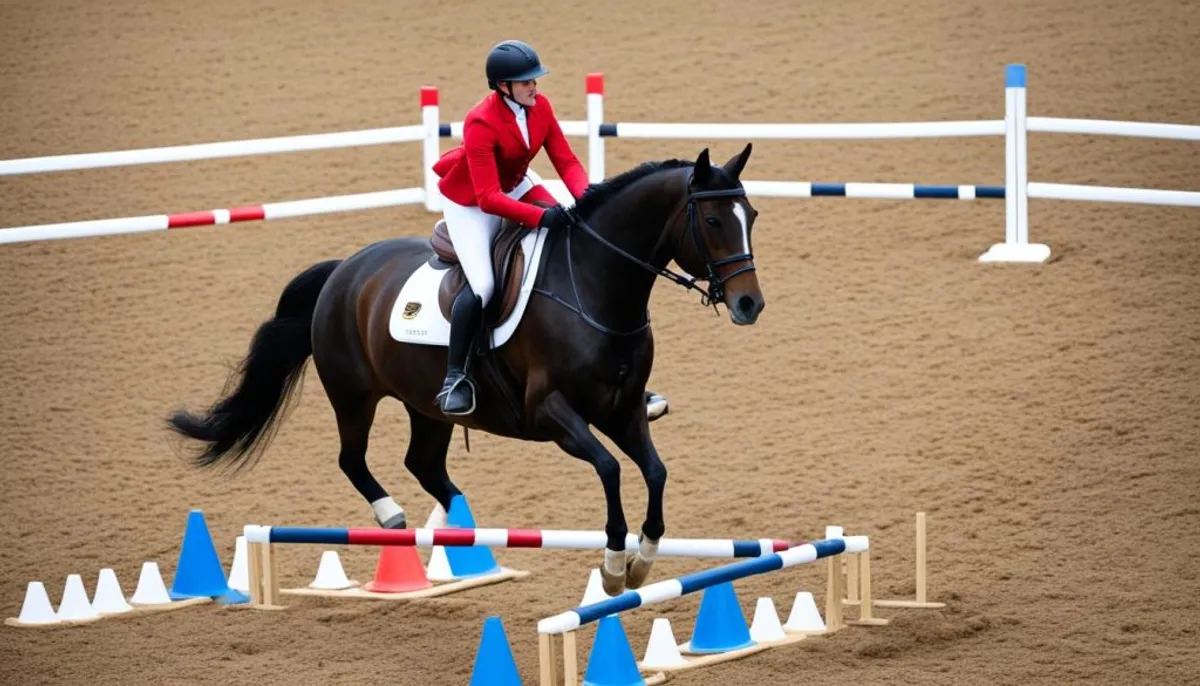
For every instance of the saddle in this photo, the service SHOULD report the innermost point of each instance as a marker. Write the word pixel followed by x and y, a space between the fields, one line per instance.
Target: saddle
pixel 508 269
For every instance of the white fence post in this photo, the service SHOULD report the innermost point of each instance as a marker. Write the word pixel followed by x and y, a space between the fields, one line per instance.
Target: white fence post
pixel 432 147
pixel 1016 246
pixel 595 117
pixel 1021 130
pixel 1013 76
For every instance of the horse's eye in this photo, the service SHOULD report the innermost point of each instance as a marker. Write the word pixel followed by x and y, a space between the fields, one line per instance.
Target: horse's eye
pixel 712 221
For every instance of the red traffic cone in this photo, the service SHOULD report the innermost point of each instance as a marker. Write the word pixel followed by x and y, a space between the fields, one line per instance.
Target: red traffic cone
pixel 399 571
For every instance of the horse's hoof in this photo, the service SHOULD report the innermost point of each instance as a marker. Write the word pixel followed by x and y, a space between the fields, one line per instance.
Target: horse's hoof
pixel 637 569
pixel 613 584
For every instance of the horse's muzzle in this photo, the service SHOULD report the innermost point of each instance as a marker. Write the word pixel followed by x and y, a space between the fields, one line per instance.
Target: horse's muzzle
pixel 744 309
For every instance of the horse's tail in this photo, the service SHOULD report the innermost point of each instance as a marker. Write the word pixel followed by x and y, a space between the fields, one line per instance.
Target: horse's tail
pixel 240 425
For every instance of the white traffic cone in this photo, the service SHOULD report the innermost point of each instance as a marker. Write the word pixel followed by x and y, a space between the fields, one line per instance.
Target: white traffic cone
pixel 36 610
pixel 594 592
pixel 662 652
pixel 805 618
pixel 239 571
pixel 330 574
pixel 766 627
pixel 108 599
pixel 150 589
pixel 75 606
pixel 438 568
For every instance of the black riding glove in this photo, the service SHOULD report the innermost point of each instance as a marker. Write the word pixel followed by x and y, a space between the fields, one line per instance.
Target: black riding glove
pixel 554 218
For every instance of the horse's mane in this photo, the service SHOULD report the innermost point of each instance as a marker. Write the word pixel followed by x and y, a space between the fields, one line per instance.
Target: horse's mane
pixel 600 193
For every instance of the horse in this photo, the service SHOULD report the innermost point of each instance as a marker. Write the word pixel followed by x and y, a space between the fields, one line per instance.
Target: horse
pixel 579 358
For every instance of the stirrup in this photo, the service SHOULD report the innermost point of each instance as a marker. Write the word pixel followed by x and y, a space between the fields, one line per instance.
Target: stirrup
pixel 447 390
pixel 656 406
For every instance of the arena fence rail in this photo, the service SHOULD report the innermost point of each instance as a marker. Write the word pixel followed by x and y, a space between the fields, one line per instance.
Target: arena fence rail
pixel 1014 127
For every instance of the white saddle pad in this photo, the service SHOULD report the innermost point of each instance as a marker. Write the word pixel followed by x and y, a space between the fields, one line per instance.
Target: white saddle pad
pixel 417 318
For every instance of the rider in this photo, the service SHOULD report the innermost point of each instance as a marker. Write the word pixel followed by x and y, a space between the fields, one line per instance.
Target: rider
pixel 486 179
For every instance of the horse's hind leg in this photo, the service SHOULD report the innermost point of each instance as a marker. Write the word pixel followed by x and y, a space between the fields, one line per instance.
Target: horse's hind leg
pixel 426 456
pixel 355 414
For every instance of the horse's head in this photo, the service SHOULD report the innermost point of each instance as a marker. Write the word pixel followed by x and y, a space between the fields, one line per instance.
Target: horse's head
pixel 713 240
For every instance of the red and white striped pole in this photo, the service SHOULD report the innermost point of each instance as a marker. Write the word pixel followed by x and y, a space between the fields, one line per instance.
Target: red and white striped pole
pixel 163 222
pixel 551 539
pixel 432 146
pixel 595 117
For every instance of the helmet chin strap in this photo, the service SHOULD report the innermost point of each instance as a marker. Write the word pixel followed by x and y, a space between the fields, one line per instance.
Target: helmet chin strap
pixel 508 95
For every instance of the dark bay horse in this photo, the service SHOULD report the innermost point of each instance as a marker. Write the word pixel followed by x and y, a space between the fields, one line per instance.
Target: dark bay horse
pixel 579 358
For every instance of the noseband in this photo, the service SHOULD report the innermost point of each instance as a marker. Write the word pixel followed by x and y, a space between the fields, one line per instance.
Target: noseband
pixel 716 284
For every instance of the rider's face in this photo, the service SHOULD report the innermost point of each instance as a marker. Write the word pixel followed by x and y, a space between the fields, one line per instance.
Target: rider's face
pixel 525 92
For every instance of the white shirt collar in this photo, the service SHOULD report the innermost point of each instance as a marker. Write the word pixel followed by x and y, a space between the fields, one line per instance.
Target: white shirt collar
pixel 522 116
pixel 515 106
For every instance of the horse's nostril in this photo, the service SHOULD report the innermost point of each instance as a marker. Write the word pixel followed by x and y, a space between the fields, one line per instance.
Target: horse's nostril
pixel 745 304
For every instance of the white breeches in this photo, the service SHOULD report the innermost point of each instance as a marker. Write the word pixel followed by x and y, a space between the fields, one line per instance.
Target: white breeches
pixel 471 231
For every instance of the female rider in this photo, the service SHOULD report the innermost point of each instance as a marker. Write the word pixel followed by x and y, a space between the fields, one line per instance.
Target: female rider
pixel 485 180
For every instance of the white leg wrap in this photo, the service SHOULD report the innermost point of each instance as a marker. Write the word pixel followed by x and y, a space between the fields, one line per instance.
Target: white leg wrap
pixel 647 550
pixel 614 562
pixel 385 508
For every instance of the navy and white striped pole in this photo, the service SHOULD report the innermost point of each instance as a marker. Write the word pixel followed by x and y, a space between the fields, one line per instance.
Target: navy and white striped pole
pixel 684 585
pixel 893 191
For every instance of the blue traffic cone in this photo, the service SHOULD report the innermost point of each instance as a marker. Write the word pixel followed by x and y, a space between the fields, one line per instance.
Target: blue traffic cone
pixel 199 573
pixel 720 625
pixel 611 662
pixel 494 663
pixel 466 561
pixel 233 597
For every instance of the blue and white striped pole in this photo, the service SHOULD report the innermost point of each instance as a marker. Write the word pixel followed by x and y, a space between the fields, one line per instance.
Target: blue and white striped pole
pixel 684 585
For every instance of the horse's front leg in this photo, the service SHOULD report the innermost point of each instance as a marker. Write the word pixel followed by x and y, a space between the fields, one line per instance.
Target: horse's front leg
pixel 632 436
pixel 578 441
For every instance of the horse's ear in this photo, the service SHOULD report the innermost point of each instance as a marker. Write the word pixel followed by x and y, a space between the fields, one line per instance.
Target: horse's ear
pixel 702 174
pixel 737 163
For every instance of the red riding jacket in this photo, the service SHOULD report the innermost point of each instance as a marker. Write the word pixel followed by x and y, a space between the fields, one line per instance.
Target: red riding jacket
pixel 493 158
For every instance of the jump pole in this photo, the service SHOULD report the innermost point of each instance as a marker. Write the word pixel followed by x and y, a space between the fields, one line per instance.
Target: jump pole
pixel 264 578
pixel 560 539
pixel 568 623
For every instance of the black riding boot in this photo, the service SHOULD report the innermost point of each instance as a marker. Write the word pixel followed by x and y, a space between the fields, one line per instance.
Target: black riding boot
pixel 457 396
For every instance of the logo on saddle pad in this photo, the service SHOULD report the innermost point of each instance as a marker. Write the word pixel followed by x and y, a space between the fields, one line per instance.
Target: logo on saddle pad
pixel 421 313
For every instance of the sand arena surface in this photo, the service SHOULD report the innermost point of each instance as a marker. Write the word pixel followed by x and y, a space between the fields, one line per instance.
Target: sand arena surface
pixel 1045 417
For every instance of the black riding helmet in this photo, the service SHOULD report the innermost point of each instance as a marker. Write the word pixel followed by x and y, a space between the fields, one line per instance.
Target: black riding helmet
pixel 513 60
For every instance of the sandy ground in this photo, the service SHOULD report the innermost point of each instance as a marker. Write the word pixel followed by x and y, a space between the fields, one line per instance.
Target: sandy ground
pixel 1045 417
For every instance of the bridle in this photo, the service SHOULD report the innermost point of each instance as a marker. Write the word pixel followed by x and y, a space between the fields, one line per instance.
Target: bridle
pixel 716 284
